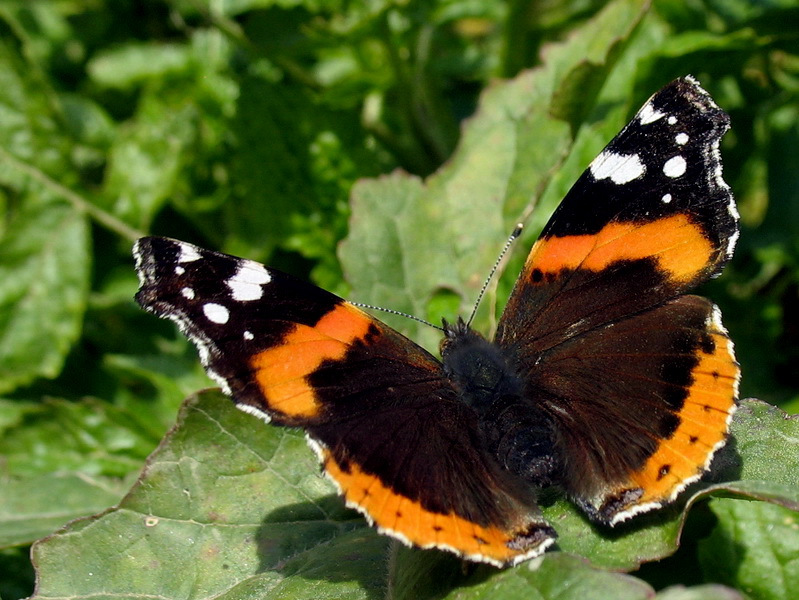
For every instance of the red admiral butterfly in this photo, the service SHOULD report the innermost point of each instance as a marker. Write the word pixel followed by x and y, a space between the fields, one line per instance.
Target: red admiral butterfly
pixel 603 378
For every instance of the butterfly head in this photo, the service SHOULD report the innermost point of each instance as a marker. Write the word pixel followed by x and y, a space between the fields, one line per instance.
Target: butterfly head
pixel 479 369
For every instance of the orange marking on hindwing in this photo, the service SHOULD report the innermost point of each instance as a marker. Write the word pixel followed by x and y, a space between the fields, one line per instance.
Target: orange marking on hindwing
pixel 282 371
pixel 678 244
pixel 410 522
pixel 704 420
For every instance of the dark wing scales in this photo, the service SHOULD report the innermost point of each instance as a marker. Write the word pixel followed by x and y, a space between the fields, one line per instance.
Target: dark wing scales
pixel 407 452
pixel 385 422
pixel 641 405
pixel 596 324
pixel 635 230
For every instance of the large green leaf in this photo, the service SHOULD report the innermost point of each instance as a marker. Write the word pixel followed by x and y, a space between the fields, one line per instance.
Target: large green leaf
pixel 44 245
pixel 225 506
pixel 76 452
pixel 754 546
pixel 239 507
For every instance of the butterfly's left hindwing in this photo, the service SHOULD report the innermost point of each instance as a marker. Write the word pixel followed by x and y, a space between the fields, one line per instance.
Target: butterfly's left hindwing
pixel 383 419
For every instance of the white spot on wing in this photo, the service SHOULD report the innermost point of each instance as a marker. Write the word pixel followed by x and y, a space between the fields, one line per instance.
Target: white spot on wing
pixel 248 335
pixel 246 283
pixel 714 320
pixel 674 167
pixel 620 168
pixel 649 114
pixel 216 313
pixel 666 198
pixel 681 139
pixel 733 240
pixel 672 120
pixel 187 293
pixel 179 270
pixel 188 253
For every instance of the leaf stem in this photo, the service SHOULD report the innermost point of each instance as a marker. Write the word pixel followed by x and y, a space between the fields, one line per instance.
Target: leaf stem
pixel 102 217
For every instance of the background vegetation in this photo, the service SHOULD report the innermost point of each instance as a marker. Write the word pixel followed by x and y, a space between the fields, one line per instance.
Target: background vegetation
pixel 383 149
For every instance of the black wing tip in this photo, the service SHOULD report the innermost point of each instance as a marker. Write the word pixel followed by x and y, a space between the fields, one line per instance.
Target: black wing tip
pixel 727 214
pixel 151 255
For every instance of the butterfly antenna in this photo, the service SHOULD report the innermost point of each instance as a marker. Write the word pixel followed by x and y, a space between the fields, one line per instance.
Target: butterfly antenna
pixel 391 311
pixel 517 231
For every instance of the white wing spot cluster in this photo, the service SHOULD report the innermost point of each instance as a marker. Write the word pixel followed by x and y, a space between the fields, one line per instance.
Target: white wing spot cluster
pixel 674 167
pixel 620 168
pixel 248 335
pixel 246 284
pixel 216 313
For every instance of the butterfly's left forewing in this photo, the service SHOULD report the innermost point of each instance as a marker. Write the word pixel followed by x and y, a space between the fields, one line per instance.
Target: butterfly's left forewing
pixel 383 419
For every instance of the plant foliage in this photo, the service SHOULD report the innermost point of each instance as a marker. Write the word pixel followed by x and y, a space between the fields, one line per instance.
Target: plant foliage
pixel 383 149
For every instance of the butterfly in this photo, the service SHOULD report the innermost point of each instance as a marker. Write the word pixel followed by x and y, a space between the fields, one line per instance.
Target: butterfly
pixel 605 378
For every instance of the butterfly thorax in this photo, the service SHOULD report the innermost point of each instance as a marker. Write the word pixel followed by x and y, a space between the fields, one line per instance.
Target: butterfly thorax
pixel 517 433
pixel 478 369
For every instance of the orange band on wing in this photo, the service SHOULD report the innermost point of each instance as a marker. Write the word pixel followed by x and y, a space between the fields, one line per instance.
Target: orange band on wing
pixel 409 521
pixel 282 371
pixel 679 245
pixel 703 425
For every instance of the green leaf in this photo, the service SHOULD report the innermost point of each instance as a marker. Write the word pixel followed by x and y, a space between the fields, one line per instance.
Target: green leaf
pixel 233 507
pixel 87 437
pixel 44 285
pixel 274 125
pixel 29 127
pixel 148 156
pixel 754 547
pixel 294 162
pixel 555 576
pixel 763 432
pixel 700 592
pixel 128 65
pixel 258 516
pixel 33 507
